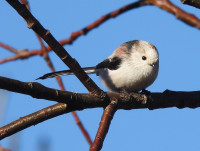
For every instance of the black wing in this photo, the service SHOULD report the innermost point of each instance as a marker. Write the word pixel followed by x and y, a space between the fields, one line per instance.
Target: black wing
pixel 110 63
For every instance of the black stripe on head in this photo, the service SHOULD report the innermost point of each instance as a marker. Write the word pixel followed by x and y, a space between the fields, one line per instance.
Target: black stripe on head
pixel 110 63
pixel 129 44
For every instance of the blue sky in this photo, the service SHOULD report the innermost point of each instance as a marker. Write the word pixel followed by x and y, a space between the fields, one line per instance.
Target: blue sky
pixel 141 129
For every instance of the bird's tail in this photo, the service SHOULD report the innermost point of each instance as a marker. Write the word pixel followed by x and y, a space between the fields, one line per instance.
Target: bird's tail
pixel 88 70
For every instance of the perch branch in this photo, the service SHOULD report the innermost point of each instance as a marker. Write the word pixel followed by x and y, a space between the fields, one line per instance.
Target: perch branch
pixel 77 101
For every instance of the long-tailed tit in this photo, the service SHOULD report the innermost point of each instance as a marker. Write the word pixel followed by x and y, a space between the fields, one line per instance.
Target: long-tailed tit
pixel 132 67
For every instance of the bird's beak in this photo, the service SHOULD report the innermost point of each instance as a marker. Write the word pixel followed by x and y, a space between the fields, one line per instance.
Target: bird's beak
pixel 152 65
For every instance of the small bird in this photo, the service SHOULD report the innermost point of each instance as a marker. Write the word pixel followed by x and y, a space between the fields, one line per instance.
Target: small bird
pixel 132 67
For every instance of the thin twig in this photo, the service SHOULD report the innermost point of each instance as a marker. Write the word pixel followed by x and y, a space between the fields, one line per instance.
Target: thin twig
pixel 11 49
pixel 4 149
pixel 102 19
pixel 163 4
pixel 90 27
pixel 82 128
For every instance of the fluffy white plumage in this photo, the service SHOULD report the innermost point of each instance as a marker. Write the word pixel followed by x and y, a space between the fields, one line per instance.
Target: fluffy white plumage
pixel 133 66
pixel 138 69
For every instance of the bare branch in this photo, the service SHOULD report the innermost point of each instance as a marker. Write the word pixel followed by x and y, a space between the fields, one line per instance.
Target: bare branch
pixel 3 149
pixel 59 80
pixel 80 101
pixel 103 19
pixel 82 128
pixel 25 2
pixel 163 4
pixel 189 19
pixel 104 126
pixel 11 49
pixel 195 3
pixel 57 48
pixel 85 30
pixel 33 119
pixel 77 101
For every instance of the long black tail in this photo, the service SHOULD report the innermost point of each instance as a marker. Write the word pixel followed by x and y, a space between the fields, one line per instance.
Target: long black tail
pixel 88 70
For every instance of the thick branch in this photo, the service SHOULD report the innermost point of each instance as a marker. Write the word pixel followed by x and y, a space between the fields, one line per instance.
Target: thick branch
pixel 55 45
pixel 77 101
pixel 80 101
pixel 195 3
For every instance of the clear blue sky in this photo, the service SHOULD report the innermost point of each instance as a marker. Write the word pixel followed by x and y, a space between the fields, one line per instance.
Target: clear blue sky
pixel 178 45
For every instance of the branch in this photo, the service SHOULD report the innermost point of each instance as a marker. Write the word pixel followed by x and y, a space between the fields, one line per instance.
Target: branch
pixel 104 126
pixel 80 101
pixel 57 48
pixel 33 119
pixel 3 149
pixel 21 54
pixel 25 2
pixel 189 19
pixel 163 4
pixel 82 128
pixel 11 49
pixel 195 3
pixel 103 19
pixel 77 101
pixel 85 30
pixel 59 80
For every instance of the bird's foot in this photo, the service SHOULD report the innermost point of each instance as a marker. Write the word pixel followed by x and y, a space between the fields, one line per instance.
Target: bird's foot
pixel 124 94
pixel 148 94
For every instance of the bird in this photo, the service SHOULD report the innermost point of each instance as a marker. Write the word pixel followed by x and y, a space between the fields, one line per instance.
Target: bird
pixel 132 67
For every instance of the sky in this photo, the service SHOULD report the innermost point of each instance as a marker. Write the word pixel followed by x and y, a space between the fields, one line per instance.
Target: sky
pixel 141 129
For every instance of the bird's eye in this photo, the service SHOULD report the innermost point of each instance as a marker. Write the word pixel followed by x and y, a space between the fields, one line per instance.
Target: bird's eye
pixel 144 57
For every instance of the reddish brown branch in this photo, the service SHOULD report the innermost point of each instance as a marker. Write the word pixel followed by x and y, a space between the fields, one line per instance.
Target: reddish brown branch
pixel 82 128
pixel 3 149
pixel 189 19
pixel 103 19
pixel 104 126
pixel 163 4
pixel 86 29
pixel 33 119
pixel 11 49
pixel 22 55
